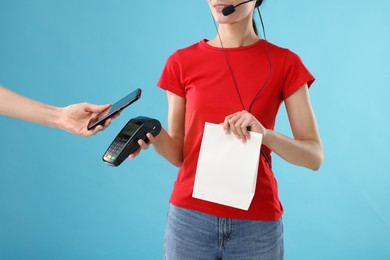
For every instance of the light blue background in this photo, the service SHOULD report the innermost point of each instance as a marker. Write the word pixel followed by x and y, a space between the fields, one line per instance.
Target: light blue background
pixel 59 201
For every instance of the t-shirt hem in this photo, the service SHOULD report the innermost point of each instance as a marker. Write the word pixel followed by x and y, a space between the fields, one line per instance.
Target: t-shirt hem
pixel 173 90
pixel 248 216
pixel 308 81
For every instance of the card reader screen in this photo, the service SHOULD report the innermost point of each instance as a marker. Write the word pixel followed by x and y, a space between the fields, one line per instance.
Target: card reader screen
pixel 129 130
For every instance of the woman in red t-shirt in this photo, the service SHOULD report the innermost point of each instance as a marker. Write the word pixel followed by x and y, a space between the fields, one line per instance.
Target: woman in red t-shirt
pixel 238 80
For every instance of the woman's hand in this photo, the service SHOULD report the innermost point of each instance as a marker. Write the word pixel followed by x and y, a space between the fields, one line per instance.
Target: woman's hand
pixel 241 123
pixel 144 145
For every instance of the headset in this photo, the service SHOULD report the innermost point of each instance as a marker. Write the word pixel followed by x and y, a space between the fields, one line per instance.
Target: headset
pixel 226 12
pixel 232 8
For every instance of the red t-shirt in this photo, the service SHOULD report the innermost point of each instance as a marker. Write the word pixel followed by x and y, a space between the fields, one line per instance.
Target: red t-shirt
pixel 199 74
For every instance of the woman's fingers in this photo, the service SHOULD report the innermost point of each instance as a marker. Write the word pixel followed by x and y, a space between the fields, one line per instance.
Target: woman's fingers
pixel 240 124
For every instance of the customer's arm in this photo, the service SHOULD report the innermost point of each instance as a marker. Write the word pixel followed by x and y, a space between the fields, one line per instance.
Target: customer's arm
pixel 73 118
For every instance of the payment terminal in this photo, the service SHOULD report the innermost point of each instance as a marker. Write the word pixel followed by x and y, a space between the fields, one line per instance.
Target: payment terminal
pixel 126 142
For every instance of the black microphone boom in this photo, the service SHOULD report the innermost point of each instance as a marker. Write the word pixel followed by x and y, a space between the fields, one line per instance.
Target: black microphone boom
pixel 228 10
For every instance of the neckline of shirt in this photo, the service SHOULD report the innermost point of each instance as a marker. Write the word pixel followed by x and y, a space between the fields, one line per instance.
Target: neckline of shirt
pixel 208 46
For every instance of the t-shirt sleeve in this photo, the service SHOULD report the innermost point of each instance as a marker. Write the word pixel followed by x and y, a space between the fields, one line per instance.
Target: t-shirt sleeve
pixel 295 75
pixel 171 76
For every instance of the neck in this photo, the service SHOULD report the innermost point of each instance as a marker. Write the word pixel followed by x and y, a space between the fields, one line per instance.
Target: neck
pixel 236 34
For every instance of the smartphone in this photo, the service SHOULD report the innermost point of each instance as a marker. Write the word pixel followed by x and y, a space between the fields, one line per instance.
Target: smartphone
pixel 126 142
pixel 115 108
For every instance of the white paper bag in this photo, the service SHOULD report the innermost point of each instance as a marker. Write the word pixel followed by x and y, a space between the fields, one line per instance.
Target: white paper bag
pixel 227 168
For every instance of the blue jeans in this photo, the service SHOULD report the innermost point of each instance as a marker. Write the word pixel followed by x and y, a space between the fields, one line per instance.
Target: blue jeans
pixel 194 235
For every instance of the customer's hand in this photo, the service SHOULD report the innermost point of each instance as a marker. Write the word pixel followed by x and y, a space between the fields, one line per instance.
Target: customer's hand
pixel 75 118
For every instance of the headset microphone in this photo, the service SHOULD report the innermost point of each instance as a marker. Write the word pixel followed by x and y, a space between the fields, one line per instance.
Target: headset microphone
pixel 228 10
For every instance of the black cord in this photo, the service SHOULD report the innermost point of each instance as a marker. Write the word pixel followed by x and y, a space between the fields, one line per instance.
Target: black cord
pixel 234 80
pixel 269 76
pixel 269 60
pixel 228 65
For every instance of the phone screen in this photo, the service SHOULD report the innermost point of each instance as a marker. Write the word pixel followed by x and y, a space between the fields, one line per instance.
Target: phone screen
pixel 118 106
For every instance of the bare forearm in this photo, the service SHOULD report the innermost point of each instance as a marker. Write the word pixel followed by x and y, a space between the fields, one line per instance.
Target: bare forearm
pixel 15 105
pixel 307 153
pixel 169 148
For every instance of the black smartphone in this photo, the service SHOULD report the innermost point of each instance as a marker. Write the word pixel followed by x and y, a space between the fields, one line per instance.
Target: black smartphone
pixel 115 108
pixel 126 142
